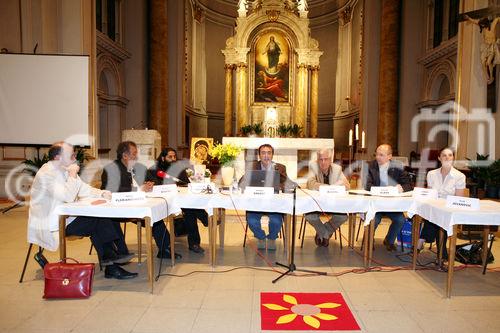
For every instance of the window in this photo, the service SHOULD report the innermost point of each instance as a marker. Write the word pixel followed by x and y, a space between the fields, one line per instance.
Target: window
pixel 453 22
pixel 438 23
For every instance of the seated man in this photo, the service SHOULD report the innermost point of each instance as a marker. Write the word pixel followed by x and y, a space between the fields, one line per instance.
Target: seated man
pixel 266 152
pixel 125 175
pixel 57 182
pixel 385 172
pixel 324 171
pixel 170 171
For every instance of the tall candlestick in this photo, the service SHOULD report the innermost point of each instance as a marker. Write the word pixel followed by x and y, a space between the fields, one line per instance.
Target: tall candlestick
pixel 356 132
pixel 363 140
pixel 350 137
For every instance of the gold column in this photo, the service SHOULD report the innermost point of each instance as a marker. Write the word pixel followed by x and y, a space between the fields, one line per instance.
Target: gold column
pixel 301 107
pixel 387 131
pixel 158 74
pixel 241 96
pixel 314 102
pixel 228 101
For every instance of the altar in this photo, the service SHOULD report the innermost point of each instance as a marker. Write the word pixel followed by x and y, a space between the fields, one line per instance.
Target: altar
pixel 285 151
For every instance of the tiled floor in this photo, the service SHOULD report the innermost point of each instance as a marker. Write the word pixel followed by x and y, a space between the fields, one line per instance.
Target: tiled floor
pixel 400 301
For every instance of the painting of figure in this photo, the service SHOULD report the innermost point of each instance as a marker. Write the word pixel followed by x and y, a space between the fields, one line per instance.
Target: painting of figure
pixel 200 148
pixel 271 68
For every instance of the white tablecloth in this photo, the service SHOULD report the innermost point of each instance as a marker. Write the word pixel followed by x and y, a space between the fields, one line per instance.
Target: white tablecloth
pixel 387 204
pixel 437 212
pixel 311 201
pixel 155 208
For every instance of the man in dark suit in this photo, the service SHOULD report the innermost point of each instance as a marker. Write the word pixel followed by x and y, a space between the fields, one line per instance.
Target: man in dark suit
pixel 385 172
pixel 125 175
pixel 266 152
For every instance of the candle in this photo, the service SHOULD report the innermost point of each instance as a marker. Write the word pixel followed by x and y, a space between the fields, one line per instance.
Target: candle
pixel 350 137
pixel 356 132
pixel 363 140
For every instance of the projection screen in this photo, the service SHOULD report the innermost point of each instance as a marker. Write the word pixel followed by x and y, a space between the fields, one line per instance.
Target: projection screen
pixel 44 99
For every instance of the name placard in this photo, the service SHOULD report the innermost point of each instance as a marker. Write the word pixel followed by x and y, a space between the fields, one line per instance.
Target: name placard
pixel 128 197
pixel 453 201
pixel 389 191
pixel 197 188
pixel 259 191
pixel 164 189
pixel 332 190
pixel 425 193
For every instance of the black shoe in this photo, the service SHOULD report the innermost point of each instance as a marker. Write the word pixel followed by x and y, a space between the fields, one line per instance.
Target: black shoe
pixel 116 272
pixel 389 247
pixel 167 255
pixel 196 248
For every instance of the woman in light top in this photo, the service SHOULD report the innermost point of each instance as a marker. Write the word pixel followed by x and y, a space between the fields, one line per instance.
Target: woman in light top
pixel 446 180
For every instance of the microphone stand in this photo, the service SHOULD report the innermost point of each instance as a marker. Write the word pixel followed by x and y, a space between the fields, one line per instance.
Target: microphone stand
pixel 291 267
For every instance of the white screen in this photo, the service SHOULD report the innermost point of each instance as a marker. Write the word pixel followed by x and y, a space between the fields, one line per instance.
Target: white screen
pixel 44 99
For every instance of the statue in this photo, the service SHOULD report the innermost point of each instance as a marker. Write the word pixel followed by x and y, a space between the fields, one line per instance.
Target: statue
pixel 242 8
pixel 302 5
pixel 273 51
pixel 490 55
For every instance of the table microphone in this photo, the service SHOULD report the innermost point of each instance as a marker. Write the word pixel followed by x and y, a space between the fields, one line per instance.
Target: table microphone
pixel 163 175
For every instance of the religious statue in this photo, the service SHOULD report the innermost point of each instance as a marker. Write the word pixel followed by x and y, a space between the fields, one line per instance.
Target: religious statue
pixel 242 8
pixel 273 51
pixel 490 55
pixel 302 5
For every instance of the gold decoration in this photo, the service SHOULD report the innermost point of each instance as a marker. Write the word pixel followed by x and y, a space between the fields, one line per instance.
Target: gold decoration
pixel 273 15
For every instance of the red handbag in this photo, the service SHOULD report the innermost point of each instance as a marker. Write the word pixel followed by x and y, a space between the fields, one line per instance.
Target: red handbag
pixel 68 280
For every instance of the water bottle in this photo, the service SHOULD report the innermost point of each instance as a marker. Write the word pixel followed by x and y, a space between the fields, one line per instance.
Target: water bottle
pixel 234 188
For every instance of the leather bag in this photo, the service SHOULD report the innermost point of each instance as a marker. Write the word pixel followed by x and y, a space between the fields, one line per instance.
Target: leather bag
pixel 68 280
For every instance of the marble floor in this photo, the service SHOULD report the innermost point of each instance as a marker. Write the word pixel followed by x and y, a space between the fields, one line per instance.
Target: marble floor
pixel 206 301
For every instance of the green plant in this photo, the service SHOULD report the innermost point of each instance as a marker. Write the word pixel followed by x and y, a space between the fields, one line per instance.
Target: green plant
pixel 494 174
pixel 282 130
pixel 480 173
pixel 246 130
pixel 258 128
pixel 34 164
pixel 225 153
pixel 295 130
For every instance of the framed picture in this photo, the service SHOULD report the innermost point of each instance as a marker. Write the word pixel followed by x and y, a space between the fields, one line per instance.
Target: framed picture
pixel 200 148
pixel 272 72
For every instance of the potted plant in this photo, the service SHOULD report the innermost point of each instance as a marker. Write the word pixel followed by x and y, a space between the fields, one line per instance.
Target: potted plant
pixel 246 130
pixel 33 165
pixel 282 130
pixel 226 154
pixel 295 130
pixel 257 128
pixel 492 180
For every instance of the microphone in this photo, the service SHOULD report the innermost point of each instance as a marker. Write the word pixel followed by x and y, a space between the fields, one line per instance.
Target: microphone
pixel 162 174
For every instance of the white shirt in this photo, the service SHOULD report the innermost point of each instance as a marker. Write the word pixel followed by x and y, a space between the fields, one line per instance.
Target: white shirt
pixel 52 187
pixel 384 174
pixel 454 180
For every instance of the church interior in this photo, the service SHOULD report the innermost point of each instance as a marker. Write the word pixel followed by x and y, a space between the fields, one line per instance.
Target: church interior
pixel 418 75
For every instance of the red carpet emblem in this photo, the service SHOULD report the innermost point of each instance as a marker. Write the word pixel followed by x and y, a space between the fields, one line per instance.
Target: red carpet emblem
pixel 305 311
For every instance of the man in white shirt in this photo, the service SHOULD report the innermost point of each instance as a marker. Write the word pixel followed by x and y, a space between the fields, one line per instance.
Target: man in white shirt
pixel 324 171
pixel 57 182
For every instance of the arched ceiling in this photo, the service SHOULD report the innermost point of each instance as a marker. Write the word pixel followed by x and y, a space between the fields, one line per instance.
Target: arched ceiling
pixel 317 8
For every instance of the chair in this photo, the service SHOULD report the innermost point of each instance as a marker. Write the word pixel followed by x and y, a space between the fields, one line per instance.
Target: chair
pixel 139 238
pixel 281 234
pixel 40 251
pixel 302 232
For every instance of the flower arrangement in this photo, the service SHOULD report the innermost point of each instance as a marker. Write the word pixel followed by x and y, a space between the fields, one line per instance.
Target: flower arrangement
pixel 225 153
pixel 208 174
pixel 198 177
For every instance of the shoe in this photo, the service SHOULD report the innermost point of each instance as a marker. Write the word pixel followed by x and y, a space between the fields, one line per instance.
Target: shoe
pixel 271 245
pixel 167 255
pixel 318 240
pixel 261 244
pixel 196 248
pixel 116 272
pixel 325 242
pixel 389 247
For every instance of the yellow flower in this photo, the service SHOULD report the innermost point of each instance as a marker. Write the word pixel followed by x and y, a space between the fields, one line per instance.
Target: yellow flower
pixel 310 313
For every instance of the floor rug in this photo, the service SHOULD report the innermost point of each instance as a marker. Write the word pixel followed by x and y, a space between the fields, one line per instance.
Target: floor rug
pixel 306 311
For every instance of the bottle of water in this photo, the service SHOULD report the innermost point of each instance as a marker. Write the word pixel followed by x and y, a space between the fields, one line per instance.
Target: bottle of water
pixel 234 187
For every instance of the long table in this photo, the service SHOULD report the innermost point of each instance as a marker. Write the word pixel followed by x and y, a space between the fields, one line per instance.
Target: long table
pixel 152 210
pixel 165 206
pixel 448 219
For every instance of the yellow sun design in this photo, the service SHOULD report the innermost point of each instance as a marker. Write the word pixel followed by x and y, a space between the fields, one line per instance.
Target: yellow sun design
pixel 309 312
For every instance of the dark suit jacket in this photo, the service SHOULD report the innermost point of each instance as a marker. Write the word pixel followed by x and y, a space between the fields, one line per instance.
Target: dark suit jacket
pixel 116 178
pixel 396 174
pixel 285 182
pixel 176 169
